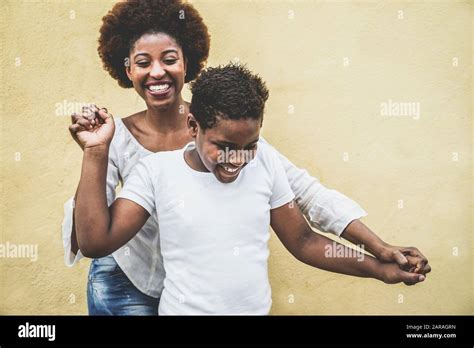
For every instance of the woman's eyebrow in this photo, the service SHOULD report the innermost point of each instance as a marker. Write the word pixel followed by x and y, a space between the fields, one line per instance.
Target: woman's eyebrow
pixel 169 50
pixel 141 54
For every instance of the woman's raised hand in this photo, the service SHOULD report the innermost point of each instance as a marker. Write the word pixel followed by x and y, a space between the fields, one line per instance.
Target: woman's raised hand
pixel 94 127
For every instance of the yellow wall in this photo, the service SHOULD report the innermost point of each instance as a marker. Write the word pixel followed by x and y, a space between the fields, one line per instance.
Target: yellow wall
pixel 333 65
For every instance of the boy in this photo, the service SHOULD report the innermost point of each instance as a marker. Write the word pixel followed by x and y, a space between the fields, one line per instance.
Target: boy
pixel 214 200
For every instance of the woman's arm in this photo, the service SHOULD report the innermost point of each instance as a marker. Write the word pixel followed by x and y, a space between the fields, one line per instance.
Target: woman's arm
pixel 409 258
pixel 325 209
pixel 321 252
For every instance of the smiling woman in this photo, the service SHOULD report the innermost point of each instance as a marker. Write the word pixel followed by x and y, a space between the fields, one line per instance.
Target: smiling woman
pixel 129 21
pixel 158 69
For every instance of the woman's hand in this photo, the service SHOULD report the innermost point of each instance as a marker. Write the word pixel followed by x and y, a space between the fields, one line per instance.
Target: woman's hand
pixel 392 274
pixel 408 258
pixel 94 127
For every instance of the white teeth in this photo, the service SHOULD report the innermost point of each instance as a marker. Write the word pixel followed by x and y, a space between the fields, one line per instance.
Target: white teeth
pixel 156 88
pixel 230 169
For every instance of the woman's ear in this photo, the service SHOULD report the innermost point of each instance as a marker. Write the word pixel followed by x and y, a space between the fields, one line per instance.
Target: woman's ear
pixel 185 68
pixel 127 68
pixel 193 126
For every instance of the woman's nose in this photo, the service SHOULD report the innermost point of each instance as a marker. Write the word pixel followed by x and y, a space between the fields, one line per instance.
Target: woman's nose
pixel 157 71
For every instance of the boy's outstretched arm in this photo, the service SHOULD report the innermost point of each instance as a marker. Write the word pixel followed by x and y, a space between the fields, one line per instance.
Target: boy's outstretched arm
pixel 101 230
pixel 409 258
pixel 311 248
pixel 330 211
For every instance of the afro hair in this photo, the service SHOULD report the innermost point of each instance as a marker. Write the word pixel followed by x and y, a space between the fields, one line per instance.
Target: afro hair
pixel 128 21
pixel 231 92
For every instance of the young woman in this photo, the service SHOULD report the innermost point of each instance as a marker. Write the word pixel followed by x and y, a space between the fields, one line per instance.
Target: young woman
pixel 156 47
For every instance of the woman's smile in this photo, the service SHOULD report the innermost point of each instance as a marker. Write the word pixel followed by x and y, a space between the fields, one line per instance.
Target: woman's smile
pixel 159 90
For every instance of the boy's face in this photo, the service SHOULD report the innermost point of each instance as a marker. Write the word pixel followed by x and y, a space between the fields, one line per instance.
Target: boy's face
pixel 226 148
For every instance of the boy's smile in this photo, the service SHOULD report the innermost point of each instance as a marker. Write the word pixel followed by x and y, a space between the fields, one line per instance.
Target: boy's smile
pixel 226 148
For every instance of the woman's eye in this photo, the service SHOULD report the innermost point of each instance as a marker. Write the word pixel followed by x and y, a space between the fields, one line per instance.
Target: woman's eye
pixel 142 64
pixel 170 61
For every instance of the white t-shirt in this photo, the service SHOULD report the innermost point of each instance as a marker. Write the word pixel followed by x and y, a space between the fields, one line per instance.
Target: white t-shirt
pixel 213 235
pixel 325 209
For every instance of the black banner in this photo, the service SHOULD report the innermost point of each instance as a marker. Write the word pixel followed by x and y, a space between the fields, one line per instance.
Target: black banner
pixel 287 330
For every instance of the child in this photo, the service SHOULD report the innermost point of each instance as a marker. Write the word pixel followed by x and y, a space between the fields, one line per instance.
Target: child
pixel 215 200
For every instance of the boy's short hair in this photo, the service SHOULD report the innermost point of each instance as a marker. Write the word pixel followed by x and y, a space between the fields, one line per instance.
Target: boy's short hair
pixel 227 91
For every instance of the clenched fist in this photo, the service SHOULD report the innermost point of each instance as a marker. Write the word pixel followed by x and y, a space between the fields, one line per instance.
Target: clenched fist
pixel 94 127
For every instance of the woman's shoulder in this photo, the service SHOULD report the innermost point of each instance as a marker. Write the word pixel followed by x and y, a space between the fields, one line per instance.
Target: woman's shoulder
pixel 134 122
pixel 131 121
pixel 124 145
pixel 123 129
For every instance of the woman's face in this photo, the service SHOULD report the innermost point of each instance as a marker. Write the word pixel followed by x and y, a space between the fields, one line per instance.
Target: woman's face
pixel 157 70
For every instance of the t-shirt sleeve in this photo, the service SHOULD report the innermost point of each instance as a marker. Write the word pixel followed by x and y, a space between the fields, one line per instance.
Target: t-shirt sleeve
pixel 281 190
pixel 139 186
pixel 325 209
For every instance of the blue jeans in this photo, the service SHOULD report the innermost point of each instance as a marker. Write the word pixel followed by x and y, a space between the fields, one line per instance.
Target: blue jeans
pixel 110 292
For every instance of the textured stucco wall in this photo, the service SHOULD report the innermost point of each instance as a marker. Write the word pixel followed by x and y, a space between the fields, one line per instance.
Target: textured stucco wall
pixel 330 67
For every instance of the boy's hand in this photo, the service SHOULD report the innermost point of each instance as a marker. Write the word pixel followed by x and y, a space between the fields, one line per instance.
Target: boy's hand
pixel 408 258
pixel 392 274
pixel 94 127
